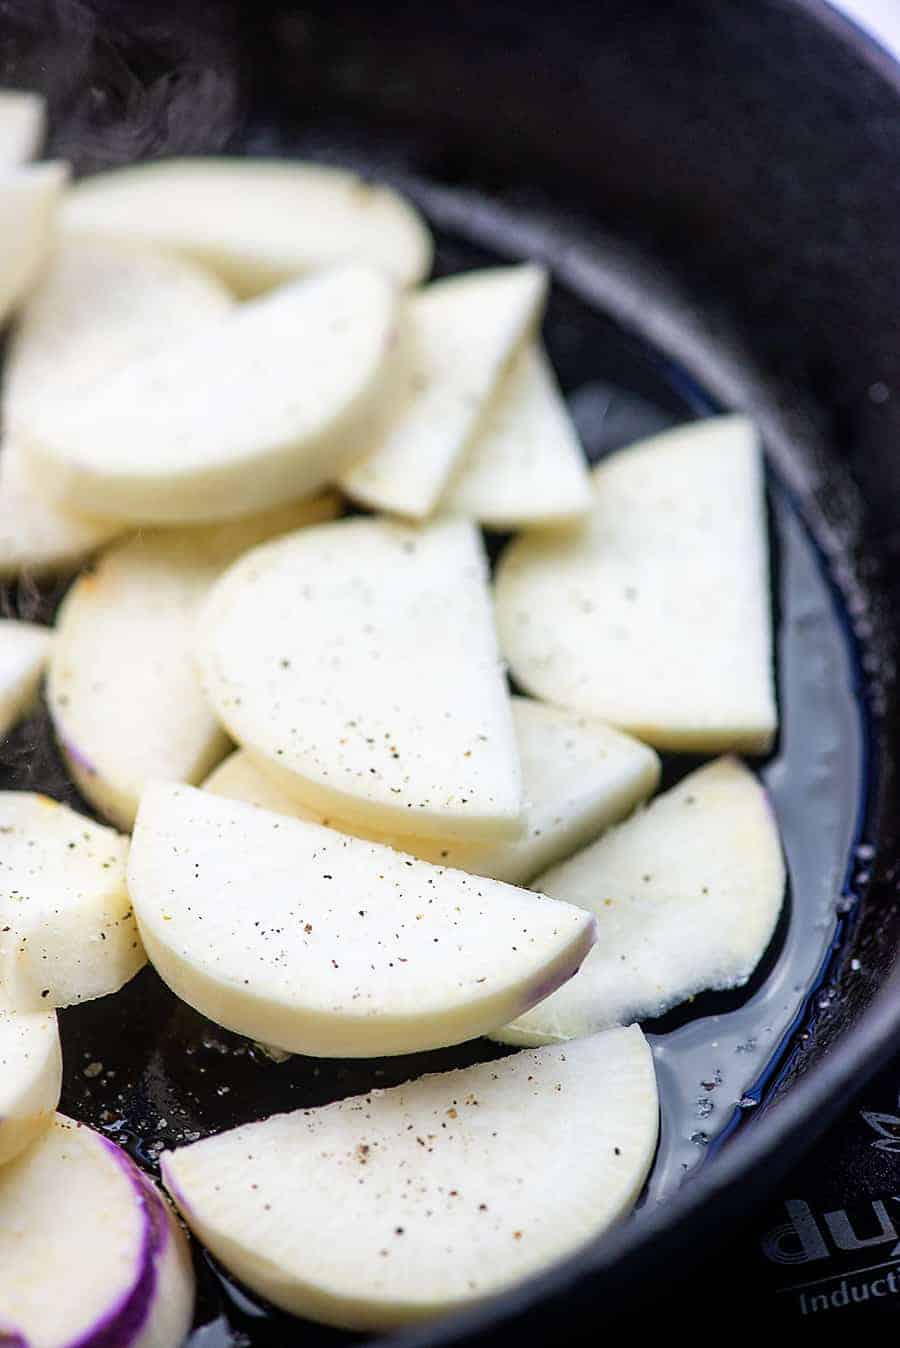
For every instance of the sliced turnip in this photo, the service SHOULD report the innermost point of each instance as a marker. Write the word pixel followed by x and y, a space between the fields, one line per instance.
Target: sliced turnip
pixel 29 200
pixel 655 615
pixel 318 943
pixel 255 222
pixel 123 690
pixel 456 338
pixel 686 894
pixel 67 930
pixel 524 465
pixel 262 407
pixel 358 662
pixel 411 1202
pixel 578 777
pixel 24 651
pixel 30 1078
pixel 23 118
pixel 90 1252
pixel 98 308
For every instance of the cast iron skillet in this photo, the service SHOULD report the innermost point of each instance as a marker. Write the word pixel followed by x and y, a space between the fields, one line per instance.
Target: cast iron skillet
pixel 739 163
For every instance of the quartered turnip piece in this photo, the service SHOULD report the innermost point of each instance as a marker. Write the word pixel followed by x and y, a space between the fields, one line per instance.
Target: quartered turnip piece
pixel 319 943
pixel 655 615
pixel 67 930
pixel 98 307
pixel 123 689
pixel 358 662
pixel 524 465
pixel 686 894
pixel 29 200
pixel 23 118
pixel 256 223
pixel 90 1252
pixel 262 407
pixel 30 1078
pixel 411 1202
pixel 24 651
pixel 578 777
pixel 456 339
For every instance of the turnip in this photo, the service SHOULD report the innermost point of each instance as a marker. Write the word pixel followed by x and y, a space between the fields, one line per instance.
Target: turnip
pixel 318 943
pixel 358 662
pixel 686 894
pixel 263 407
pixel 655 615
pixel 67 930
pixel 406 1203
pixel 256 223
pixel 30 1078
pixel 524 465
pixel 90 1253
pixel 23 118
pixel 24 651
pixel 29 200
pixel 123 690
pixel 456 338
pixel 578 777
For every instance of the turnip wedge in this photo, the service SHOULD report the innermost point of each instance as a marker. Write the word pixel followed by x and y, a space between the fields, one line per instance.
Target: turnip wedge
pixel 524 466
pixel 30 1078
pixel 29 200
pixel 97 308
pixel 358 663
pixel 123 690
pixel 655 615
pixel 456 338
pixel 314 942
pixel 411 1202
pixel 578 777
pixel 256 223
pixel 23 118
pixel 686 894
pixel 67 930
pixel 90 1252
pixel 24 651
pixel 263 407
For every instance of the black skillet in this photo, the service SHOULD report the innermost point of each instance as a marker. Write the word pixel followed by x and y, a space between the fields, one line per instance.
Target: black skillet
pixel 716 187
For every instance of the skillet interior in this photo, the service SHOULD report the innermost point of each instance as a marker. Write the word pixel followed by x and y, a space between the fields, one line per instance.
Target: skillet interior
pixel 733 174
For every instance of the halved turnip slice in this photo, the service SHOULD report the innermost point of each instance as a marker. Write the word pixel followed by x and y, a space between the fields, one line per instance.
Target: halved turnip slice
pixel 319 943
pixel 655 615
pixel 30 1077
pixel 524 465
pixel 456 339
pixel 24 651
pixel 686 894
pixel 23 118
pixel 29 200
pixel 74 1204
pixel 358 662
pixel 578 777
pixel 411 1202
pixel 99 307
pixel 262 407
pixel 256 223
pixel 123 690
pixel 67 930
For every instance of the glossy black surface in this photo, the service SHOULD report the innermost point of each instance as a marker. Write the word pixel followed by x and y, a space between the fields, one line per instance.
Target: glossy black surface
pixel 724 178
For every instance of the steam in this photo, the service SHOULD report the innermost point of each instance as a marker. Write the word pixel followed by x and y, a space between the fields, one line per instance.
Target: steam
pixel 126 80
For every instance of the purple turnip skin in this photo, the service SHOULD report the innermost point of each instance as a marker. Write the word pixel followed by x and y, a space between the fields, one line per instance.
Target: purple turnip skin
pixel 546 986
pixel 125 1323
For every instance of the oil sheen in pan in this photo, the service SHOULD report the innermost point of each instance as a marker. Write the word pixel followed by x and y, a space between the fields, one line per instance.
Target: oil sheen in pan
pixel 152 1073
